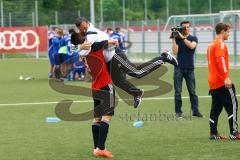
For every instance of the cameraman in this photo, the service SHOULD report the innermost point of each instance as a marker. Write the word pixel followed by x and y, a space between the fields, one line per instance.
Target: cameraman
pixel 183 46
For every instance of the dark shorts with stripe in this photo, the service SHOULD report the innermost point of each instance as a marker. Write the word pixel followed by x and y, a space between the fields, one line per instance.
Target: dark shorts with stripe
pixel 104 101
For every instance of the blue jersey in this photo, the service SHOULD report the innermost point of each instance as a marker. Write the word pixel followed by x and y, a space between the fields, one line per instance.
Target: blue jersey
pixel 117 36
pixel 55 44
pixel 78 63
pixel 66 41
pixel 50 46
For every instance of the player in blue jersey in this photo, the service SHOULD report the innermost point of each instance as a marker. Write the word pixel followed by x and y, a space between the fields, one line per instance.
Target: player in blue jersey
pixel 118 35
pixel 79 68
pixel 64 54
pixel 72 55
pixel 56 46
pixel 68 56
pixel 51 34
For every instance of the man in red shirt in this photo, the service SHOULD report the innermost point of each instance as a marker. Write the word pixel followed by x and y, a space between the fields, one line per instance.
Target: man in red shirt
pixel 104 101
pixel 222 89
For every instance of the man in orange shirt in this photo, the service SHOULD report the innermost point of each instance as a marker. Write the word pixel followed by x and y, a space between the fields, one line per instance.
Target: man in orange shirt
pixel 222 89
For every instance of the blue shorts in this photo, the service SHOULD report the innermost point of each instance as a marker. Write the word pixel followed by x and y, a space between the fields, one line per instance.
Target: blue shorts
pixel 64 58
pixel 72 58
pixel 60 58
pixel 51 58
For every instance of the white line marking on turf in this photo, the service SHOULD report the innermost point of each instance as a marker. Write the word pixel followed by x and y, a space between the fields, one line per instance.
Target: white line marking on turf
pixel 38 103
pixel 87 101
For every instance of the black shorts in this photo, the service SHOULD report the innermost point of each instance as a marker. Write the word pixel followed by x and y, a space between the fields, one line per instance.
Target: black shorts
pixel 104 101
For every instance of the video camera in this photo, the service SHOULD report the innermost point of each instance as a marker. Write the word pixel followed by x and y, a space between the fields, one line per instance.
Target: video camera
pixel 175 31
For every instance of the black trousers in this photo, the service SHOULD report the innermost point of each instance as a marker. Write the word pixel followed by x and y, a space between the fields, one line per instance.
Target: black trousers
pixel 120 65
pixel 222 97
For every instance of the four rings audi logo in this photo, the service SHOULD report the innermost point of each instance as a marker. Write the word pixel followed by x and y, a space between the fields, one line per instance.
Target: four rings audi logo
pixel 18 39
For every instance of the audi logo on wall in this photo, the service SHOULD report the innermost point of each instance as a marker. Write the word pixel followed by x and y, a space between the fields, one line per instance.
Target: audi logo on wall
pixel 23 39
pixel 18 39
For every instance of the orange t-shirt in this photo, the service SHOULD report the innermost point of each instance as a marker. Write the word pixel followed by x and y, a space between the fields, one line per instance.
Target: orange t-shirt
pixel 218 65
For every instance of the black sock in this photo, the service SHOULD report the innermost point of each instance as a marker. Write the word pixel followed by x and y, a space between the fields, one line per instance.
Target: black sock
pixel 57 73
pixel 103 131
pixel 95 133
